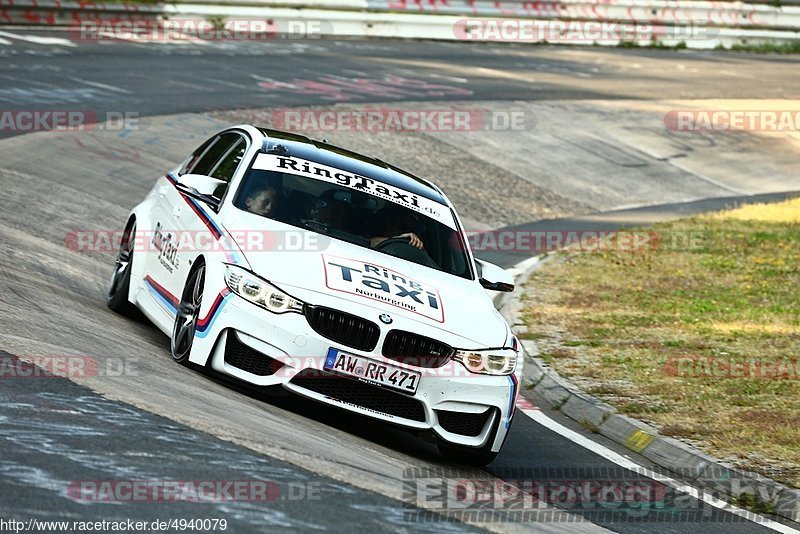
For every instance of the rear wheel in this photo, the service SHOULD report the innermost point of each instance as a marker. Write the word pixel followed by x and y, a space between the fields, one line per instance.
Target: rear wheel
pixel 188 314
pixel 120 284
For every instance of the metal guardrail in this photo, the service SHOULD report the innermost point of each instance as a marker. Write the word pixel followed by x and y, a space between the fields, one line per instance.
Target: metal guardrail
pixel 71 12
pixel 518 7
pixel 759 13
pixel 717 14
pixel 709 24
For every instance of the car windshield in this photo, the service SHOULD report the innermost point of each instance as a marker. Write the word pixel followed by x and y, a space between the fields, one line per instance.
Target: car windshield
pixel 355 209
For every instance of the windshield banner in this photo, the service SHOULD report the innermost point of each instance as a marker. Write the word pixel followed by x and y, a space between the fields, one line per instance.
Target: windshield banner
pixel 332 175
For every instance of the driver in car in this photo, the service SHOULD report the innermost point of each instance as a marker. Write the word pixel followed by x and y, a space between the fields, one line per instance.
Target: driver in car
pixel 396 223
pixel 331 209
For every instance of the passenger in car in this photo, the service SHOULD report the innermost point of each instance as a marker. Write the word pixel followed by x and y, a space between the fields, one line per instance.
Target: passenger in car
pixel 262 201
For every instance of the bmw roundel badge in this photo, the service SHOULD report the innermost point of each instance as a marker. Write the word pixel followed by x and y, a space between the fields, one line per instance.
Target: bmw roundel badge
pixel 385 318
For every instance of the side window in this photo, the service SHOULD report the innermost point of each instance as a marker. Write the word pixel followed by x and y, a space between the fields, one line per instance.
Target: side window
pixel 212 155
pixel 227 166
pixel 192 160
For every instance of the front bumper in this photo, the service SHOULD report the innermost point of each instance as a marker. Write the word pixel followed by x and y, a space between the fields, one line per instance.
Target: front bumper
pixel 265 349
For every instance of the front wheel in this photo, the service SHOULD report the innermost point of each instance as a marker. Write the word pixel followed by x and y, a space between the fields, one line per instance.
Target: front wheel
pixel 119 287
pixel 187 316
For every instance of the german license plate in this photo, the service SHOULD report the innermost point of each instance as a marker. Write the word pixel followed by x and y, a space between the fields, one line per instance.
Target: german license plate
pixel 374 372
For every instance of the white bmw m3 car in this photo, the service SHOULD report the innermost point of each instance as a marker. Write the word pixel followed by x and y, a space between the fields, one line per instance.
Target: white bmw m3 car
pixel 283 261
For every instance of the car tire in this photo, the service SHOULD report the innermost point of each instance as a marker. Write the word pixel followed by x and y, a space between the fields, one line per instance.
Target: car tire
pixel 188 314
pixel 119 287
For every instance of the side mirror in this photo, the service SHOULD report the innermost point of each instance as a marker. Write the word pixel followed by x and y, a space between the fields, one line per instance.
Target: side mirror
pixel 493 277
pixel 199 183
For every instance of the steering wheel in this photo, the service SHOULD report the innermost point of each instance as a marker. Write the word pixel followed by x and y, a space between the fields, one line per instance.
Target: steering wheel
pixel 394 241
pixel 401 247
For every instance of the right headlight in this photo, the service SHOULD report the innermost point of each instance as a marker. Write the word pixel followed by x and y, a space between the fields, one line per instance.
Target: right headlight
pixel 488 362
pixel 260 292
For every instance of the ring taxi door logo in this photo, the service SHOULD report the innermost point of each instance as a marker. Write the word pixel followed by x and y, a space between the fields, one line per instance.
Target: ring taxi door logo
pixel 166 247
pixel 380 283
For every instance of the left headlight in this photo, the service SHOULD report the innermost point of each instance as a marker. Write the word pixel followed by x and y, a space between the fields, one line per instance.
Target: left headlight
pixel 488 362
pixel 260 292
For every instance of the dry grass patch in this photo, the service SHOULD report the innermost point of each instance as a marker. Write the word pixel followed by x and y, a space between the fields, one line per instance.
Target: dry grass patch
pixel 703 341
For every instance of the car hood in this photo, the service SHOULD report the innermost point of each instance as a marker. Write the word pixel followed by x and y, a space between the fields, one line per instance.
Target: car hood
pixel 329 272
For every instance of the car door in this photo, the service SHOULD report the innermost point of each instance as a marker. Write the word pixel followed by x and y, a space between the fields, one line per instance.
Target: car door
pixel 197 222
pixel 162 265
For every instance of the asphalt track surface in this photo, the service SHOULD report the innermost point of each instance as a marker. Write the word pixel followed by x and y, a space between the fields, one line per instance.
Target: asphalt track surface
pixel 55 432
pixel 53 428
pixel 174 77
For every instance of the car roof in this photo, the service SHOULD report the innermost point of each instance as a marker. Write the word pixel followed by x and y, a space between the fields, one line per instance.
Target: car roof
pixel 321 152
